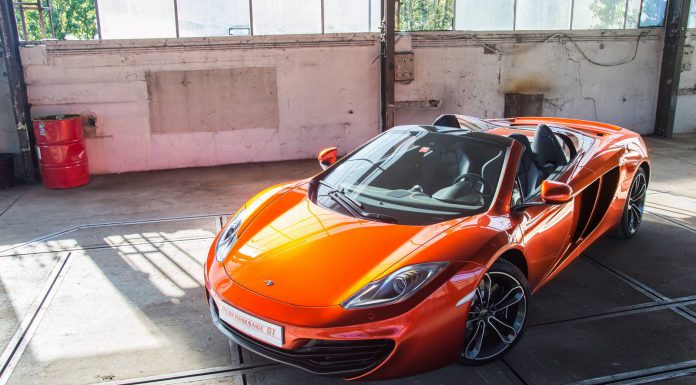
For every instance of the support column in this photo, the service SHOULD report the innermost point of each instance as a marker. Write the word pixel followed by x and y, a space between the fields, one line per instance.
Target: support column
pixel 388 65
pixel 675 35
pixel 9 42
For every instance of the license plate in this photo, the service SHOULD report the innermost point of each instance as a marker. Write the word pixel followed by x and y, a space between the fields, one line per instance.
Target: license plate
pixel 250 325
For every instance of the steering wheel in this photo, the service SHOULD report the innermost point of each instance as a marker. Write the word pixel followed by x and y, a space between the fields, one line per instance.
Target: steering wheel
pixel 477 183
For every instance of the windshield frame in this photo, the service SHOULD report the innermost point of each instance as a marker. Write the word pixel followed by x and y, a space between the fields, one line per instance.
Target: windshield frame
pixel 504 143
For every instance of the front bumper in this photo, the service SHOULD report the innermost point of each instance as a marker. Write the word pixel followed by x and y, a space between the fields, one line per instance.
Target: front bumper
pixel 425 337
pixel 345 359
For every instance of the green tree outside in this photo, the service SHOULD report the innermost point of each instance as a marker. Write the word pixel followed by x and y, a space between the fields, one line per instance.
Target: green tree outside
pixel 75 19
pixel 425 15
pixel 611 13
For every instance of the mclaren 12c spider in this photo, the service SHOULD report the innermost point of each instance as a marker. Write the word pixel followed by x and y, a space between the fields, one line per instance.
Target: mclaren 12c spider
pixel 423 246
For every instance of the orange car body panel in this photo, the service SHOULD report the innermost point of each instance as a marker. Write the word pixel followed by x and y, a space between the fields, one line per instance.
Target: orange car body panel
pixel 318 258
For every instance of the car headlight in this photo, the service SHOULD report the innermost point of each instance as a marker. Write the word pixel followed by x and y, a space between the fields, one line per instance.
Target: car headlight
pixel 396 287
pixel 228 237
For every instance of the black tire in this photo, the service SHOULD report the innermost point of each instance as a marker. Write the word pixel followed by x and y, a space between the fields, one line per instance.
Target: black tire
pixel 497 332
pixel 633 210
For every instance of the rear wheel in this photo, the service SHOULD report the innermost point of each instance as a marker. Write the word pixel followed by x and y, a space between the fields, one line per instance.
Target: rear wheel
pixel 498 314
pixel 635 206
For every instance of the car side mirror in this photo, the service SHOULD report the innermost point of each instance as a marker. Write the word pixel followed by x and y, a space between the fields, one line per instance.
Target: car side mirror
pixel 552 193
pixel 327 157
pixel 556 193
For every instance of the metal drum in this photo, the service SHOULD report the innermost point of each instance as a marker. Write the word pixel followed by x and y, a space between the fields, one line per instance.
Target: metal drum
pixel 60 147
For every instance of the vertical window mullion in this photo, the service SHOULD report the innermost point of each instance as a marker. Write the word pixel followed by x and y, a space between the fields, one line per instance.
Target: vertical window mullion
pixel 572 13
pixel 322 17
pixel 176 17
pixel 96 11
pixel 454 15
pixel 625 21
pixel 514 15
pixel 251 17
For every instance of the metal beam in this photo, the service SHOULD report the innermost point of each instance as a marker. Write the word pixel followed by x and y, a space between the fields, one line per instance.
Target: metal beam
pixel 9 42
pixel 388 43
pixel 675 35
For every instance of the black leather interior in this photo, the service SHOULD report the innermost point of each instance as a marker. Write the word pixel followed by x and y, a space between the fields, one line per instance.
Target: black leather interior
pixel 539 158
pixel 547 150
pixel 529 174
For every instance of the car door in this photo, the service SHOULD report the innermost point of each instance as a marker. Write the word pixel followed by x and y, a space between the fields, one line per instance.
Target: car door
pixel 545 231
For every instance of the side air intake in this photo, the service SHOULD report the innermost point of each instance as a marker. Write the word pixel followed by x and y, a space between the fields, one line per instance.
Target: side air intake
pixel 594 203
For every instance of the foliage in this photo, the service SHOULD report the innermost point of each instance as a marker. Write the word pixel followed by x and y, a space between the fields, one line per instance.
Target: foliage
pixel 425 15
pixel 610 13
pixel 74 19
pixel 653 13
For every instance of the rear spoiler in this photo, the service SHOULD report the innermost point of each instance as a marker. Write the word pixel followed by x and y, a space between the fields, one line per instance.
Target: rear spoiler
pixel 582 125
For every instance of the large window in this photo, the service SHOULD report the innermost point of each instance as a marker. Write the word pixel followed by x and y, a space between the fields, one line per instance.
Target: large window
pixel 128 19
pixel 495 15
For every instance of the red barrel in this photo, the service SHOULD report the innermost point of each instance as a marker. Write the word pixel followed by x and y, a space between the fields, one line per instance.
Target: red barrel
pixel 60 146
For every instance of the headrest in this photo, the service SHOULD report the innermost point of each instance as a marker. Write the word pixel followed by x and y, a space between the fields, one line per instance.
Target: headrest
pixel 546 147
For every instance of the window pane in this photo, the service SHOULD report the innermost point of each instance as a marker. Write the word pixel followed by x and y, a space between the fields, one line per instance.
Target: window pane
pixel 74 20
pixel 348 15
pixel 425 15
pixel 213 17
pixel 493 15
pixel 633 14
pixel 692 14
pixel 133 19
pixel 653 14
pixel 599 14
pixel 543 14
pixel 277 17
pixel 376 15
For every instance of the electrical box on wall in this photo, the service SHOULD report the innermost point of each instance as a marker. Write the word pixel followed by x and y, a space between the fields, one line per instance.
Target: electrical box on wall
pixel 686 59
pixel 404 67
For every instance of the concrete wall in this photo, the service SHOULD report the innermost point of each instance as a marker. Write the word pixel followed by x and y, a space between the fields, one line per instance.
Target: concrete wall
pixel 327 90
pixel 9 141
pixel 453 72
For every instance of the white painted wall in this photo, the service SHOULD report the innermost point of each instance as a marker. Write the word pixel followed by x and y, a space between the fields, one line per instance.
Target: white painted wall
pixel 328 94
pixel 685 119
pixel 322 79
pixel 453 69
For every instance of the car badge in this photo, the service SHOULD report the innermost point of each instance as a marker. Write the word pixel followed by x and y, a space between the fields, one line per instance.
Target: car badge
pixel 268 282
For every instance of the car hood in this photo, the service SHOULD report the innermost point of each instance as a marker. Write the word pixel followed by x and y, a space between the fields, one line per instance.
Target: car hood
pixel 299 253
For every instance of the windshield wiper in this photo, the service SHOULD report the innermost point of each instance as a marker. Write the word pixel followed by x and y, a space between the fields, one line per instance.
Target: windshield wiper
pixel 354 207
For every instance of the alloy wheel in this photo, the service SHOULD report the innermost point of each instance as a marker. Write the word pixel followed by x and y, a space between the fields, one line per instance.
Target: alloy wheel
pixel 496 316
pixel 636 202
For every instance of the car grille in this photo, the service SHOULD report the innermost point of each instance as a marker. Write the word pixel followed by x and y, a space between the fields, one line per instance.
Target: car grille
pixel 345 359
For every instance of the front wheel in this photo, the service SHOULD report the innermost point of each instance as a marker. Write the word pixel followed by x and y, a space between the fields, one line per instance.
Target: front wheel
pixel 498 314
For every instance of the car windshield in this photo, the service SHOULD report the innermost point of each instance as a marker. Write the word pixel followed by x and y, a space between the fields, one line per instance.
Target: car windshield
pixel 416 176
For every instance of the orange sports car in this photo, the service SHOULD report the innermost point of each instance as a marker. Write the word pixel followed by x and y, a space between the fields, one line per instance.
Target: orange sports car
pixel 423 246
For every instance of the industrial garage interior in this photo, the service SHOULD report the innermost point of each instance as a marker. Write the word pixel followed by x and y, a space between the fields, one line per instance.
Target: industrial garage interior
pixel 188 109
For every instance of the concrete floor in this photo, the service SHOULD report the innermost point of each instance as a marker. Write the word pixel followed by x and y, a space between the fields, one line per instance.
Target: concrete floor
pixel 102 284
